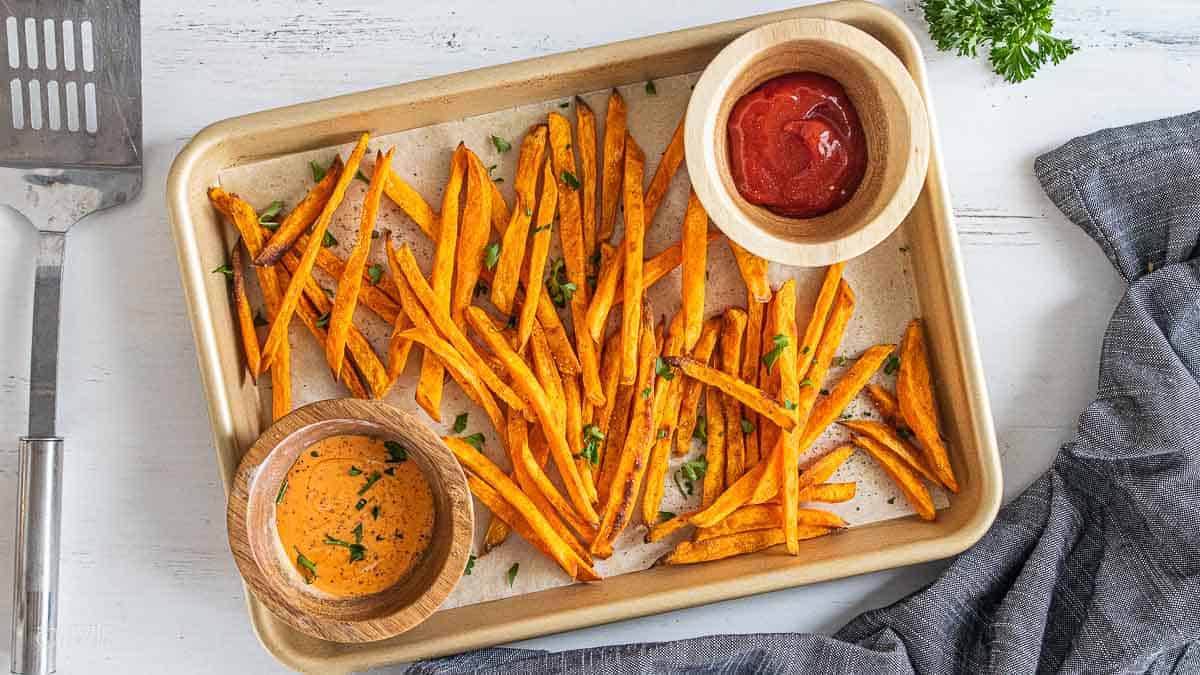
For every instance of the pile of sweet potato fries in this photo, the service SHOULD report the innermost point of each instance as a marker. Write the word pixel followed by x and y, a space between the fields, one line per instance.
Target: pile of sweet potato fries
pixel 609 408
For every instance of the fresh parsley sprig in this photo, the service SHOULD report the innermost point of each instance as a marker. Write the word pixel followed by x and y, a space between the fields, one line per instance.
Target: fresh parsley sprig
pixel 1016 33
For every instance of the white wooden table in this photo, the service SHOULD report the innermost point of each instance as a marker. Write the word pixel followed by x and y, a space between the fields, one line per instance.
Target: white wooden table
pixel 147 581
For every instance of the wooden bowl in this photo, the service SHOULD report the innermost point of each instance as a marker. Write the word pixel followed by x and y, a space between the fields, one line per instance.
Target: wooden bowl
pixel 266 566
pixel 892 113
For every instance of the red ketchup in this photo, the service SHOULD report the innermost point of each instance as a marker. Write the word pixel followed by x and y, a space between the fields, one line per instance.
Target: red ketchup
pixel 796 146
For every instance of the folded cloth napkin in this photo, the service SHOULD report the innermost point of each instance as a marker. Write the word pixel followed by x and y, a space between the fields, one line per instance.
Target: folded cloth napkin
pixel 1095 568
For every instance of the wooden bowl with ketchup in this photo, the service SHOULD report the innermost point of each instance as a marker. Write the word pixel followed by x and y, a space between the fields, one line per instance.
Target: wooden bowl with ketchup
pixel 807 141
pixel 350 520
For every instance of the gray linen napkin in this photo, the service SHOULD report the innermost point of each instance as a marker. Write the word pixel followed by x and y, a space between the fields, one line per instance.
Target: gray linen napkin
pixel 1096 566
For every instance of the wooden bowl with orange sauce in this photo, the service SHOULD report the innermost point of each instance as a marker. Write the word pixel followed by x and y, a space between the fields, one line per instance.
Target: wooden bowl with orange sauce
pixel 350 520
pixel 889 107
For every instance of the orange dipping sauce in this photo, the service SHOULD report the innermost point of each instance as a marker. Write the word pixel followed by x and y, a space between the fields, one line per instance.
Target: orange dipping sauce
pixel 355 515
pixel 796 145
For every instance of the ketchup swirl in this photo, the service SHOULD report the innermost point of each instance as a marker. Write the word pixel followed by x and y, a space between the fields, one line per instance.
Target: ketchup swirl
pixel 796 145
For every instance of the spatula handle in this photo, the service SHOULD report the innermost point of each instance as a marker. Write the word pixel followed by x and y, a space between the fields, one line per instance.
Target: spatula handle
pixel 35 584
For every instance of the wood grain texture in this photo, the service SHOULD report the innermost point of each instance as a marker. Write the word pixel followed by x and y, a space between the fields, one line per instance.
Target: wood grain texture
pixel 267 569
pixel 140 459
pixel 893 118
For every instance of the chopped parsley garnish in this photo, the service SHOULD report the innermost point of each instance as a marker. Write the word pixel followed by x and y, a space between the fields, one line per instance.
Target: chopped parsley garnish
pixel 780 341
pixel 891 365
pixel 475 440
pixel 528 212
pixel 358 505
pixel 663 370
pixel 318 171
pixel 495 179
pixel 664 516
pixel 647 391
pixel 651 90
pixel 361 176
pixel 357 532
pixel 323 320
pixel 560 289
pixel 512 573
pixel 806 382
pixel 375 273
pixel 747 426
pixel 662 433
pixel 565 104
pixel 700 433
pixel 592 437
pixel 282 491
pixel 460 423
pixel 224 269
pixel 270 214
pixel 570 180
pixel 355 471
pixel 396 452
pixel 501 144
pixel 491 255
pixel 357 551
pixel 470 565
pixel 375 512
pixel 329 241
pixel 540 228
pixel 789 404
pixel 371 480
pixel 688 473
pixel 307 564
pixel 840 361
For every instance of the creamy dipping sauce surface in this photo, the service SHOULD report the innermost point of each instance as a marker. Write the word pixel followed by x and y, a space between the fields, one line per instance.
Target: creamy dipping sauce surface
pixel 355 515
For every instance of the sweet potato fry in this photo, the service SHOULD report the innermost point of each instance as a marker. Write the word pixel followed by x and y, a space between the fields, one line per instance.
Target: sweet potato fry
pixel 692 389
pixel 751 355
pixel 740 390
pixel 718 548
pixel 573 397
pixel 695 264
pixel 754 272
pixel 610 372
pixel 829 493
pixel 357 346
pixel 548 376
pixel 585 141
pixel 902 475
pixel 537 486
pixel 631 469
pixel 570 233
pixel 523 378
pixel 472 237
pixel 614 438
pixel 540 529
pixel 816 325
pixel 885 403
pixel 661 530
pixel 278 330
pixel 376 297
pixel 790 390
pixel 462 373
pixel 429 385
pixel 309 317
pixel 768 378
pixel 512 245
pixel 438 313
pixel 568 361
pixel 411 203
pixel 351 280
pixel 715 435
pixel 664 424
pixel 535 265
pixel 241 308
pixel 296 222
pixel 830 407
pixel 887 436
pixel 498 530
pixel 914 391
pixel 731 364
pixel 668 164
pixel 608 279
pixel 614 165
pixel 500 213
pixel 633 250
pixel 767 516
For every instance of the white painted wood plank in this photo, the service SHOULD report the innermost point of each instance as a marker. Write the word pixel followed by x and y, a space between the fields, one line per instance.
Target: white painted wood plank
pixel 147 580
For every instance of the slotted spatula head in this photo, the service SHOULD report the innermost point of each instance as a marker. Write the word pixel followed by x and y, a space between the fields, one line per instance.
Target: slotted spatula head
pixel 71 132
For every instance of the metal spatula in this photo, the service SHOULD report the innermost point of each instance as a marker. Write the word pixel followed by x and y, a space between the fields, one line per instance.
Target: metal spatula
pixel 70 144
